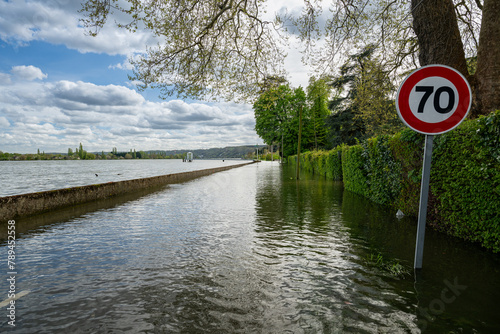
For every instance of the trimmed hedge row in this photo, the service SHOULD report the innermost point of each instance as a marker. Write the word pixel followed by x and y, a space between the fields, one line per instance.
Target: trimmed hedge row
pixel 326 163
pixel 465 178
pixel 464 198
pixel 270 157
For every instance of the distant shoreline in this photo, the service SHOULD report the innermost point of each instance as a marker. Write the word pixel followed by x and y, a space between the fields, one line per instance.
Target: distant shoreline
pixel 230 152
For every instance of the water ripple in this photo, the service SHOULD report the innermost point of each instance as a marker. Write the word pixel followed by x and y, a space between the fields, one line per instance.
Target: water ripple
pixel 242 251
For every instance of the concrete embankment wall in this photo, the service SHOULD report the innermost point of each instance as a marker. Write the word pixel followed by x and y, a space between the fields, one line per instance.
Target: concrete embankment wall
pixel 13 207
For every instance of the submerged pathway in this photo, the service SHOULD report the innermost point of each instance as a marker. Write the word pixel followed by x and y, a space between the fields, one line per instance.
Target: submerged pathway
pixel 243 251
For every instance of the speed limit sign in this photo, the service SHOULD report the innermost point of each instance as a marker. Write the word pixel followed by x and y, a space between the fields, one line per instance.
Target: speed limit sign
pixel 434 99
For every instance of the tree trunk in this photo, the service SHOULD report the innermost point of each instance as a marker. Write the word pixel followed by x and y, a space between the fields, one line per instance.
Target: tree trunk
pixel 488 59
pixel 435 24
pixel 436 27
pixel 282 149
pixel 298 145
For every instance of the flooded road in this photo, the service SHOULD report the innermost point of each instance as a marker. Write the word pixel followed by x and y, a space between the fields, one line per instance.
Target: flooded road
pixel 249 250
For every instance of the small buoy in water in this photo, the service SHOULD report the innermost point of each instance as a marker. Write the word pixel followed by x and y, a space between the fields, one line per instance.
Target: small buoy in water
pixel 400 214
pixel 96 175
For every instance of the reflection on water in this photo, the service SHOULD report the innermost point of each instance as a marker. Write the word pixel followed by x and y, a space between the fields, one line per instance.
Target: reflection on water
pixel 243 251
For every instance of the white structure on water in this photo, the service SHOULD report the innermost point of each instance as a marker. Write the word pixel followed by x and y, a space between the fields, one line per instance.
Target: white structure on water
pixel 189 156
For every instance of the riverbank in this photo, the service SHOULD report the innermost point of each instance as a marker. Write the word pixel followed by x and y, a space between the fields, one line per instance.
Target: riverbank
pixel 13 207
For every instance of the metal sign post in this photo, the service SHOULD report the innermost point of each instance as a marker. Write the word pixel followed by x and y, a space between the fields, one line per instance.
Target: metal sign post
pixel 432 100
pixel 424 196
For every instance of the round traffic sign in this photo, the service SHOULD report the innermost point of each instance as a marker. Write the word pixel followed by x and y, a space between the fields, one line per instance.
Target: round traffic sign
pixel 434 99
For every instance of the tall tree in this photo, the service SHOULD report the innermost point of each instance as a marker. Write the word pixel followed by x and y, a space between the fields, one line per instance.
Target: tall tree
pixel 318 94
pixel 277 116
pixel 208 47
pixel 373 90
pixel 346 127
pixel 436 24
pixel 81 152
pixel 362 106
pixel 226 48
pixel 445 47
pixel 270 113
pixel 488 58
pixel 298 105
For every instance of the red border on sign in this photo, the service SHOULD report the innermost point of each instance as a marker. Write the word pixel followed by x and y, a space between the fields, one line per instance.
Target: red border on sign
pixel 464 99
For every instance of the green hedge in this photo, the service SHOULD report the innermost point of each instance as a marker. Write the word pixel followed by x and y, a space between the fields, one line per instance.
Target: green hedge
pixel 270 157
pixel 465 179
pixel 407 148
pixel 326 163
pixel 383 171
pixel 464 198
pixel 353 170
pixel 333 164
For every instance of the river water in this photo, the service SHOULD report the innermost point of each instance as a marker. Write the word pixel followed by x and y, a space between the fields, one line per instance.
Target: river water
pixel 20 177
pixel 248 250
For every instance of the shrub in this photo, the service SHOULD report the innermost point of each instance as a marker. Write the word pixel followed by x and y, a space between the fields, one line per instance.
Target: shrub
pixel 382 171
pixel 464 197
pixel 333 164
pixel 353 171
pixel 465 179
pixel 407 148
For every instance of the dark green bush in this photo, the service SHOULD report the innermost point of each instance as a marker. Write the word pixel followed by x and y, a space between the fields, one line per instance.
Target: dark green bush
pixel 489 133
pixel 325 163
pixel 306 162
pixel 353 170
pixel 464 198
pixel 270 157
pixel 407 148
pixel 370 169
pixel 333 164
pixel 465 179
pixel 382 171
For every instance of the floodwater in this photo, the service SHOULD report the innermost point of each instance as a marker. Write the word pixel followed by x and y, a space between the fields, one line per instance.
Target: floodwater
pixel 21 177
pixel 248 250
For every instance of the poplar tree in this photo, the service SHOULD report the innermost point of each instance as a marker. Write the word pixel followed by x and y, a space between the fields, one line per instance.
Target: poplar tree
pixel 318 93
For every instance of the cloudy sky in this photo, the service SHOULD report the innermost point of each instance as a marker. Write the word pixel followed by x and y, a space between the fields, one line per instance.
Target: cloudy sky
pixel 59 87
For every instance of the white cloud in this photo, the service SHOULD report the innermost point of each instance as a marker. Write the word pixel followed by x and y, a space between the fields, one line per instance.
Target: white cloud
pixel 126 65
pixel 88 94
pixel 57 22
pixel 55 116
pixel 134 83
pixel 4 123
pixel 29 73
pixel 4 79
